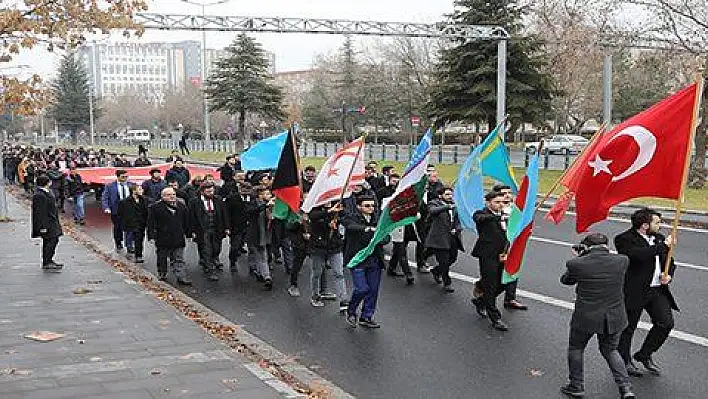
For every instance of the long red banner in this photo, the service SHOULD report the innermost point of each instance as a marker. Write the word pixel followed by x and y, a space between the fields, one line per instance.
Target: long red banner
pixel 103 175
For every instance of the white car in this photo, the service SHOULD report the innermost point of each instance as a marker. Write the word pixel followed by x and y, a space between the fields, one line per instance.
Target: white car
pixel 559 144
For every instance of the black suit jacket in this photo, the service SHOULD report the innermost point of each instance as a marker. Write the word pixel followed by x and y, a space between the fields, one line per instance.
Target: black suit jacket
pixel 491 237
pixel 44 215
pixel 642 262
pixel 168 228
pixel 356 239
pixel 133 215
pixel 198 216
pixel 599 276
pixel 441 226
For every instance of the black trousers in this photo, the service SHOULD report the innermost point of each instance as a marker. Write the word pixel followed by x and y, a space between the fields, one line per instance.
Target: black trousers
pixel 298 260
pixel 399 256
pixel 490 270
pixel 658 307
pixel 49 248
pixel 445 258
pixel 510 291
pixel 236 240
pixel 210 242
pixel 138 241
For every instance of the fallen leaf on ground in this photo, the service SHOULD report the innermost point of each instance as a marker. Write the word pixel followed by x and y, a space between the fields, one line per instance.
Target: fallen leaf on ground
pixel 80 341
pixel 155 372
pixel 44 336
pixel 536 372
pixel 232 383
pixel 94 282
pixel 82 291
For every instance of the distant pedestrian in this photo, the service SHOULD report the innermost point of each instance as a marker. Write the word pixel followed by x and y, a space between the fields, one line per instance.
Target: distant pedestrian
pixel 183 143
pixel 360 227
pixel 76 189
pixel 133 213
pixel 142 161
pixel 113 194
pixel 599 310
pixel 167 226
pixel 142 150
pixel 45 222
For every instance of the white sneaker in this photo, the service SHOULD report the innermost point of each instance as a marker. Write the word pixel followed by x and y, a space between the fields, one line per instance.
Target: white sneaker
pixel 294 291
pixel 316 303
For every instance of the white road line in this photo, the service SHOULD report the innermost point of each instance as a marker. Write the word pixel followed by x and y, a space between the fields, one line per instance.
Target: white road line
pixel 680 335
pixel 568 244
pixel 616 219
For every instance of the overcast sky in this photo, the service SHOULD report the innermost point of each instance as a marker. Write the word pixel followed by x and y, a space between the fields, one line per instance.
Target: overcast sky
pixel 292 51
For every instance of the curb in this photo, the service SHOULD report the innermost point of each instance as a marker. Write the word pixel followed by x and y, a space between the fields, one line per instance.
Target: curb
pixel 284 368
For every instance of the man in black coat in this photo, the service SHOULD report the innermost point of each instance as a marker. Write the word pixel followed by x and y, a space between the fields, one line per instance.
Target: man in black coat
pixel 208 227
pixel 646 287
pixel 133 212
pixel 235 199
pixel 599 310
pixel 168 226
pixel 490 249
pixel 444 236
pixel 360 227
pixel 45 222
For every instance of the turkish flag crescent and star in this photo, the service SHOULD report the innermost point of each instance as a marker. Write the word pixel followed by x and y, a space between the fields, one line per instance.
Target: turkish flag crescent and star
pixel 642 157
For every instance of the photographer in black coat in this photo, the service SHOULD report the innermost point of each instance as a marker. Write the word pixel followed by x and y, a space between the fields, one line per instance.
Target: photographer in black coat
pixel 599 310
pixel 45 222
pixel 646 287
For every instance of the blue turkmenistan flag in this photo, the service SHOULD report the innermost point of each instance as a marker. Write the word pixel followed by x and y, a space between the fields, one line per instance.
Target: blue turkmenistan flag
pixel 490 159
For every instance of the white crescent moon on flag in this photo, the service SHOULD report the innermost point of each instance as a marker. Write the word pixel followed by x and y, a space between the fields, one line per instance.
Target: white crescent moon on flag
pixel 647 147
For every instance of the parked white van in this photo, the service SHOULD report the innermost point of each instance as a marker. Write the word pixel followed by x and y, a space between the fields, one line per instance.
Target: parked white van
pixel 137 135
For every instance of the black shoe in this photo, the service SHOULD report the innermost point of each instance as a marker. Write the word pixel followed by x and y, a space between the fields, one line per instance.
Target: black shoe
pixel 479 306
pixel 213 277
pixel 139 259
pixel 515 305
pixel 448 289
pixel 626 393
pixel 395 273
pixel 648 363
pixel 131 250
pixel 268 286
pixel 633 370
pixel 51 266
pixel 219 266
pixel 572 390
pixel 351 320
pixel 436 276
pixel 119 248
pixel 82 222
pixel 58 265
pixel 368 323
pixel 410 280
pixel 343 306
pixel 162 276
pixel 184 281
pixel 499 325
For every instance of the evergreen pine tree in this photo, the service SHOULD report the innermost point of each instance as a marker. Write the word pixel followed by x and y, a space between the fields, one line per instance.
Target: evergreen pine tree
pixel 70 90
pixel 241 84
pixel 464 85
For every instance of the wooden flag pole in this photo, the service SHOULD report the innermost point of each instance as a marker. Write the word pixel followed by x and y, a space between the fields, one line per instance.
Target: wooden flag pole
pixel 349 177
pixel 687 165
pixel 595 136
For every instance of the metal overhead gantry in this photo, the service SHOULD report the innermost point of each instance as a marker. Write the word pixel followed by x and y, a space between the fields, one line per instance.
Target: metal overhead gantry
pixel 340 27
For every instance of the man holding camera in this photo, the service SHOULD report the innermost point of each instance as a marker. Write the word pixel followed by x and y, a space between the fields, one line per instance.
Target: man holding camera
pixel 646 287
pixel 599 310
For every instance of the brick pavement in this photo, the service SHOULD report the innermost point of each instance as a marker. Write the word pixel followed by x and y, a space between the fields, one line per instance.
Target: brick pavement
pixel 120 341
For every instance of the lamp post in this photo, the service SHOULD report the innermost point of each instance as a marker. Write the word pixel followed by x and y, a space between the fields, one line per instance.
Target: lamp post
pixel 207 124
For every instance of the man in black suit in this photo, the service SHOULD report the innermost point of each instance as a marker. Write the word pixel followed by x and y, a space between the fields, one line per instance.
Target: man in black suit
pixel 168 226
pixel 599 309
pixel 646 287
pixel 444 236
pixel 208 227
pixel 45 222
pixel 490 249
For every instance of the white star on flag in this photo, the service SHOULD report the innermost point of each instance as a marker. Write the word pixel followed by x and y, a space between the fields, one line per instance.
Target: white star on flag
pixel 599 165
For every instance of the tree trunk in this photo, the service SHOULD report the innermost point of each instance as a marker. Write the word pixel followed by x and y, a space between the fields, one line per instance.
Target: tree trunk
pixel 241 135
pixel 697 172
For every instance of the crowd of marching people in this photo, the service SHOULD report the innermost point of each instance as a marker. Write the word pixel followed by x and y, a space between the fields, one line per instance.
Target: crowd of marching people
pixel 170 210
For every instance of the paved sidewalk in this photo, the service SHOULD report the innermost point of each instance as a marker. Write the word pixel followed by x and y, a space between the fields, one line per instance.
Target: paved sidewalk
pixel 120 341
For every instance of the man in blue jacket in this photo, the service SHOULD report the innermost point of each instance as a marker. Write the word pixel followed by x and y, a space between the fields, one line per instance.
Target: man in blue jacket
pixel 113 194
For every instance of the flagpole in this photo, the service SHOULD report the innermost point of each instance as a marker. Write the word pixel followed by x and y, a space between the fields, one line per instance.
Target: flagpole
pixel 687 164
pixel 497 128
pixel 349 176
pixel 597 134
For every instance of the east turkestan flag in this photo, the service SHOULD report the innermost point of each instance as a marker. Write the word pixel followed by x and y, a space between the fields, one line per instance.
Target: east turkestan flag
pixel 330 182
pixel 401 208
pixel 286 183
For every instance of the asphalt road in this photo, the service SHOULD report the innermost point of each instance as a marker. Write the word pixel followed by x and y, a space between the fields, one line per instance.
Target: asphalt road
pixel 434 345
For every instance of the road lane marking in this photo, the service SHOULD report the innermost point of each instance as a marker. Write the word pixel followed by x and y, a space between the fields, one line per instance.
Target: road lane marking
pixel 680 335
pixel 568 244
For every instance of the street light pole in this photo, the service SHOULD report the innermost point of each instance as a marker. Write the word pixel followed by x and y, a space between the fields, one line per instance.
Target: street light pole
pixel 91 116
pixel 207 124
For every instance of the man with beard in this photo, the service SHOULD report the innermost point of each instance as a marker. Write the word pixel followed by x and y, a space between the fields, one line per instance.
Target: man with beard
pixel 208 227
pixel 646 287
pixel 308 179
pixel 168 226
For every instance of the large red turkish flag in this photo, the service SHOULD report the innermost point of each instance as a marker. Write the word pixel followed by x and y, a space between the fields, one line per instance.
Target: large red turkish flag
pixel 642 157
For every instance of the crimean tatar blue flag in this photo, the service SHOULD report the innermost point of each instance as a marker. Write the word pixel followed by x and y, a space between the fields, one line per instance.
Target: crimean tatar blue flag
pixel 265 154
pixel 490 159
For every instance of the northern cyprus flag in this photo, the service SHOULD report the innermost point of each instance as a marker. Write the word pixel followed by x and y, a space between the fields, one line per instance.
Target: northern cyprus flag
pixel 402 207
pixel 329 184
